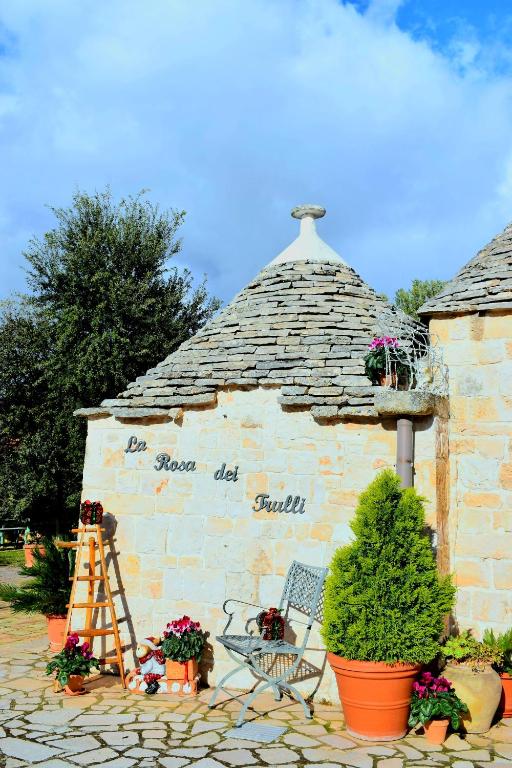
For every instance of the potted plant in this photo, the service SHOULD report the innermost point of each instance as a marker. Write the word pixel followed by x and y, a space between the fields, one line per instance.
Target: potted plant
pixel 386 362
pixel 470 668
pixel 383 610
pixel 47 590
pixel 182 647
pixel 435 705
pixel 72 665
pixel 270 624
pixel 503 643
pixel 30 543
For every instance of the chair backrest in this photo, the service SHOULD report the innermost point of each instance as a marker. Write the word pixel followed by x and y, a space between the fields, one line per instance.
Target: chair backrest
pixel 303 590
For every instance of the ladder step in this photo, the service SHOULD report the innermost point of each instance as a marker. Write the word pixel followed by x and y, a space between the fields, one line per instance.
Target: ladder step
pixel 88 578
pixel 93 632
pixel 89 605
pixel 92 529
pixel 110 660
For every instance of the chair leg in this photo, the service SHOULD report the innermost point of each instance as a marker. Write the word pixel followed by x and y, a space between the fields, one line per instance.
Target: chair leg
pixel 256 692
pixel 298 695
pixel 278 694
pixel 220 685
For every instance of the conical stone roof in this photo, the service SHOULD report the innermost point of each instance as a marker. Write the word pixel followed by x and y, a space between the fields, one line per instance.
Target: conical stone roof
pixel 303 324
pixel 484 283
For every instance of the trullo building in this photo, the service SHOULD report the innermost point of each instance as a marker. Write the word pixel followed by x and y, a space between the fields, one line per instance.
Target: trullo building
pixel 248 447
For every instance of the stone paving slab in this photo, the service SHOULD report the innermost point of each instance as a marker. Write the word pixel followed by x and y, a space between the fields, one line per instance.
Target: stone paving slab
pixel 110 728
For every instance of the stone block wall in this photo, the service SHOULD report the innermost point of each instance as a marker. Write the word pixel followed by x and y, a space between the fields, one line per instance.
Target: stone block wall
pixel 478 352
pixel 187 541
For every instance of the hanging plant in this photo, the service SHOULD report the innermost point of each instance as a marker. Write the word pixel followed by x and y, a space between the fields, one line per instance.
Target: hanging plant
pixel 386 357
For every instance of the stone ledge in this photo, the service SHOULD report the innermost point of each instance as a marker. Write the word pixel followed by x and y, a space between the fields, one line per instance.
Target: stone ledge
pixel 392 402
pixel 86 412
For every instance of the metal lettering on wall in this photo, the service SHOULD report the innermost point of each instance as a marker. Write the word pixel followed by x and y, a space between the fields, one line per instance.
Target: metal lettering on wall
pixel 262 501
pixel 293 504
pixel 164 461
pixel 135 445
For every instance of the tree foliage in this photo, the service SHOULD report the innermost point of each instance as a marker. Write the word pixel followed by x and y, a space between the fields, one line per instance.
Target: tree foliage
pixel 104 307
pixel 384 599
pixel 409 301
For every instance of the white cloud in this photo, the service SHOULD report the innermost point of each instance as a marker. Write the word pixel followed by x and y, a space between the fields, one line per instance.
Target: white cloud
pixel 236 111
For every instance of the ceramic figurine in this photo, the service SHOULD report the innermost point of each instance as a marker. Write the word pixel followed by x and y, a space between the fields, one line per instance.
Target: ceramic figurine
pixel 152 665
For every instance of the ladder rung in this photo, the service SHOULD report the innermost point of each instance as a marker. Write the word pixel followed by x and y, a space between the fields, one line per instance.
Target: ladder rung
pixel 110 659
pixel 67 544
pixel 92 529
pixel 89 605
pixel 88 578
pixel 93 632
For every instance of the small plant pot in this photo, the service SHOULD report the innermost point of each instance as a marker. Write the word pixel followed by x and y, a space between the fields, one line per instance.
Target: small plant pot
pixel 506 694
pixel 28 550
pixel 56 626
pixel 375 696
pixel 435 730
pixel 388 380
pixel 74 686
pixel 181 671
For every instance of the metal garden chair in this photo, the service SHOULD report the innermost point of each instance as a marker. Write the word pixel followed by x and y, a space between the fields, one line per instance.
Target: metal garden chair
pixel 275 662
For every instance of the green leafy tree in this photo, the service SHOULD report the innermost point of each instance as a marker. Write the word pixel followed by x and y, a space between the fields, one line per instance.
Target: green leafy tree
pixel 409 301
pixel 384 599
pixel 104 307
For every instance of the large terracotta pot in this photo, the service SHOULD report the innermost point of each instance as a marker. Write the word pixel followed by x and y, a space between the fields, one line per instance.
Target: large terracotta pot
pixel 435 730
pixel 375 696
pixel 56 625
pixel 183 671
pixel 506 695
pixel 28 550
pixel 480 691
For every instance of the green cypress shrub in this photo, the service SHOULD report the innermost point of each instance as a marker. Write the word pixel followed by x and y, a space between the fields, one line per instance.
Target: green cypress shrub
pixel 384 598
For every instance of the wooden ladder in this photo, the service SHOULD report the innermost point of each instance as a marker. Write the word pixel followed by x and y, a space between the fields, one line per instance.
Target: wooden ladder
pixel 95 542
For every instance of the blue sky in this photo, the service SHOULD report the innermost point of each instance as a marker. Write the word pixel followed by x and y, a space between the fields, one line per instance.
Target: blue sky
pixel 397 116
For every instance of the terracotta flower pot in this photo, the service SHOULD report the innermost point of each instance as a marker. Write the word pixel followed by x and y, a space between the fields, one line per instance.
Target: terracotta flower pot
pixel 375 696
pixel 506 694
pixel 388 380
pixel 56 625
pixel 435 730
pixel 480 691
pixel 183 671
pixel 28 550
pixel 74 686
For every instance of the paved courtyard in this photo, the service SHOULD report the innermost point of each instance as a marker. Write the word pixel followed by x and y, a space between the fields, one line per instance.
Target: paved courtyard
pixel 111 728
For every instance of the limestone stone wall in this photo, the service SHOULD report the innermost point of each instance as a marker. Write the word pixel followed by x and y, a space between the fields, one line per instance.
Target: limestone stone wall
pixel 478 351
pixel 187 541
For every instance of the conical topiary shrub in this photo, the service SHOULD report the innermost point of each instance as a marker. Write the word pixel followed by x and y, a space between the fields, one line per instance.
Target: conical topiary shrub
pixel 384 599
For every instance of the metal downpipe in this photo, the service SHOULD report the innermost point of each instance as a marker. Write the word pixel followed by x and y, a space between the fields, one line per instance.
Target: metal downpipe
pixel 405 451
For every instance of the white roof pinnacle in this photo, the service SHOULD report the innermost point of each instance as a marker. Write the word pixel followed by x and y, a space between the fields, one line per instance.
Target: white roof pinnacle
pixel 308 246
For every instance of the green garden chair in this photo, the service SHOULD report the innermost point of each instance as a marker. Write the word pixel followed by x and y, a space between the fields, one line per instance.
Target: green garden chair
pixel 275 662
